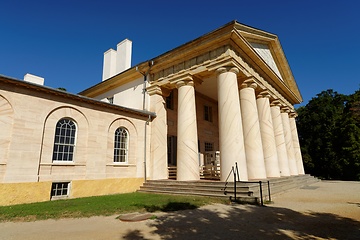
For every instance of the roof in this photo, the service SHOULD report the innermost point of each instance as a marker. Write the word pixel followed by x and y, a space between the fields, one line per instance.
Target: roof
pixel 233 32
pixel 67 95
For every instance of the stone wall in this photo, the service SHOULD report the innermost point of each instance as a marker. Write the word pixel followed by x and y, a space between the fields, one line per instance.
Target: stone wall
pixel 28 125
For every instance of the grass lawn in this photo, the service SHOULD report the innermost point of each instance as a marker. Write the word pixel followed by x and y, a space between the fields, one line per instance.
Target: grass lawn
pixel 103 205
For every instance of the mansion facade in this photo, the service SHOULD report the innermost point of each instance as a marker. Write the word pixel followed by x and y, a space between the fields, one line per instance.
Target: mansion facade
pixel 222 99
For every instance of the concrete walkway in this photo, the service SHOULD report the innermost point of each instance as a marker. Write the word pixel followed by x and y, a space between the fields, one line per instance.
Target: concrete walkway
pixel 324 210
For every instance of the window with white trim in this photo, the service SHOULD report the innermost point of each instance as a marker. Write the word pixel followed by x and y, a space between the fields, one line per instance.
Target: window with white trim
pixel 121 143
pixel 64 141
pixel 60 189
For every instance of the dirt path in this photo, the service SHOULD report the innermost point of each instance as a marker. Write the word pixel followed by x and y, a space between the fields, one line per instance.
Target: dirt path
pixel 325 210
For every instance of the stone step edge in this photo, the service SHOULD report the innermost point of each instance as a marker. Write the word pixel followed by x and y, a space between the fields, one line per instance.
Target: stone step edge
pixel 244 197
pixel 220 191
pixel 192 186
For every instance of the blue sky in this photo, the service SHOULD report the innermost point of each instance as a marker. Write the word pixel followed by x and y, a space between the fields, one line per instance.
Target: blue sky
pixel 64 41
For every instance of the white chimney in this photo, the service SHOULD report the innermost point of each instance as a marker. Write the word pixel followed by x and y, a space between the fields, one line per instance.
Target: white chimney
pixel 117 61
pixel 123 58
pixel 34 79
pixel 109 66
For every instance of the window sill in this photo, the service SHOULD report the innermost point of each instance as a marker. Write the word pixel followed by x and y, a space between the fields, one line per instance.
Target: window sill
pixel 62 164
pixel 54 198
pixel 121 165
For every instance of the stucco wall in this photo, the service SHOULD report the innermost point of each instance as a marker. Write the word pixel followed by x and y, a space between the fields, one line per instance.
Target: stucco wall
pixel 19 193
pixel 128 95
pixel 86 188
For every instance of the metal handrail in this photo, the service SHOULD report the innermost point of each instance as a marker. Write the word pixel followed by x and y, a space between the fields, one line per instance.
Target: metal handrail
pixel 226 181
pixel 236 175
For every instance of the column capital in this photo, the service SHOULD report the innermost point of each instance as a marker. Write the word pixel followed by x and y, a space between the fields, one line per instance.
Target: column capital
pixel 285 109
pixel 293 114
pixel 185 82
pixel 276 103
pixel 158 90
pixel 264 94
pixel 249 83
pixel 221 70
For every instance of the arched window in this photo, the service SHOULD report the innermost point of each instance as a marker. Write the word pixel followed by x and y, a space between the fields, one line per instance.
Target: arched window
pixel 64 142
pixel 121 145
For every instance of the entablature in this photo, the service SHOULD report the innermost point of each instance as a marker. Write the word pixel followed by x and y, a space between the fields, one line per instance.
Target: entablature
pixel 206 65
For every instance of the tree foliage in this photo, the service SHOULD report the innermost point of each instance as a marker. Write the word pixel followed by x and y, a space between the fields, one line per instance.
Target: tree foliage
pixel 62 89
pixel 329 134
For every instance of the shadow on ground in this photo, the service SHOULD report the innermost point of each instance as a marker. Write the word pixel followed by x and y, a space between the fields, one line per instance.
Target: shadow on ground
pixel 249 222
pixel 169 207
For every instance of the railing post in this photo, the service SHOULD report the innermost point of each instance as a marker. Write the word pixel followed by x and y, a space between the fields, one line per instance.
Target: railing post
pixel 269 191
pixel 261 195
pixel 237 171
pixel 234 183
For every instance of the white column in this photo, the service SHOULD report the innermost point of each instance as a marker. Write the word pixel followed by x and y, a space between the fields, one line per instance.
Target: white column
pixel 230 127
pixel 251 127
pixel 158 145
pixel 289 141
pixel 296 144
pixel 187 138
pixel 267 135
pixel 279 138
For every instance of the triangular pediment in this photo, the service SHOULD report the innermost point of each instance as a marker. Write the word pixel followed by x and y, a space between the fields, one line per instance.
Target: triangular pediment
pixel 267 48
pixel 265 53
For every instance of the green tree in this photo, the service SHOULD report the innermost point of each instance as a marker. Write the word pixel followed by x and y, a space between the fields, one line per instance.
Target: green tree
pixel 317 124
pixel 329 134
pixel 348 147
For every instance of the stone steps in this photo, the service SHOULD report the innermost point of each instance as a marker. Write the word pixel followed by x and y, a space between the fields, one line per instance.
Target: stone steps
pixel 215 188
pixel 246 192
pixel 199 188
pixel 284 184
pixel 240 198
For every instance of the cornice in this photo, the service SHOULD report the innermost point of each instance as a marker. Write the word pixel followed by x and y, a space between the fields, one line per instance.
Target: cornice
pixel 248 31
pixel 205 43
pixel 66 95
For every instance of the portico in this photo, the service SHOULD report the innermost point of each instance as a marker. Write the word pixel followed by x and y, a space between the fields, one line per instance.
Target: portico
pixel 253 95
